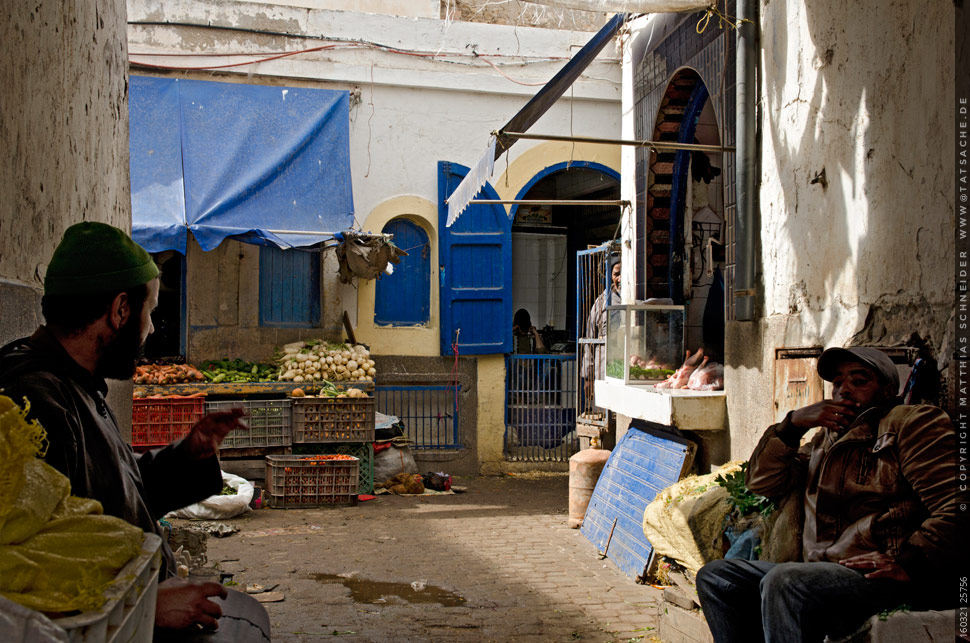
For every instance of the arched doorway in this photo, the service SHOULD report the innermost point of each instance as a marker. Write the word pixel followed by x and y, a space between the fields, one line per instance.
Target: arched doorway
pixel 685 223
pixel 542 374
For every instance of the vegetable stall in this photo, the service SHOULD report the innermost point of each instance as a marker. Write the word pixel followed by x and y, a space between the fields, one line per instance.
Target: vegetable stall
pixel 314 394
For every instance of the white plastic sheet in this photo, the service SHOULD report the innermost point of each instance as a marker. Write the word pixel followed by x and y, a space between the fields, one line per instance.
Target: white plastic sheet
pixel 220 507
pixel 472 183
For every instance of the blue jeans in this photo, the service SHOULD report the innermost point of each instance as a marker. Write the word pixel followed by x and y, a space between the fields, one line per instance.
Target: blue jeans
pixel 746 601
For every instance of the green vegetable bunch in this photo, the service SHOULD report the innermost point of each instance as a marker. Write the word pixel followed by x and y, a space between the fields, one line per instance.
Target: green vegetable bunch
pixel 742 500
pixel 237 370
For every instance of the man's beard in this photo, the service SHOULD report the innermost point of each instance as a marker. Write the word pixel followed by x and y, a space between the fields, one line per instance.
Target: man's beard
pixel 119 358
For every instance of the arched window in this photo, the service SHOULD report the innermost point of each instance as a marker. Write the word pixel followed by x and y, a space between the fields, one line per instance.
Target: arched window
pixel 404 297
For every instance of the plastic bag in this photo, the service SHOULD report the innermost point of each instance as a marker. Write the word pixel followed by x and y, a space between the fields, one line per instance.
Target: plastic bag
pixel 220 507
pixel 58 553
pixel 710 377
pixel 392 460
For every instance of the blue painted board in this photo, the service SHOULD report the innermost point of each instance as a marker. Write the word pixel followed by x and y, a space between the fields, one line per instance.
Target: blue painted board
pixel 643 463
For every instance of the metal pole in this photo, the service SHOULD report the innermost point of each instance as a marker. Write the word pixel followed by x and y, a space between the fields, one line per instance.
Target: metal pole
pixel 747 195
pixel 617 203
pixel 307 232
pixel 656 145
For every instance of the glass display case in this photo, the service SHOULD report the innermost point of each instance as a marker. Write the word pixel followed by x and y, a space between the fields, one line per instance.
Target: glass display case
pixel 644 343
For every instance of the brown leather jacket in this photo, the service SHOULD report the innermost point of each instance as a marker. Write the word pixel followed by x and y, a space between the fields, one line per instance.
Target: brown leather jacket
pixel 888 484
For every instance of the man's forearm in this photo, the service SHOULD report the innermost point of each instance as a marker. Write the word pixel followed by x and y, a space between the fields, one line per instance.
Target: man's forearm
pixel 173 479
pixel 789 433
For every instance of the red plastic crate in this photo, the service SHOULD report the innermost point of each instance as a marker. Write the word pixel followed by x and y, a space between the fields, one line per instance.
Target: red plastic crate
pixel 156 422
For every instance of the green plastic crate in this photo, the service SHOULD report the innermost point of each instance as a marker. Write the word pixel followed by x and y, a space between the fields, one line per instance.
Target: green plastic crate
pixel 363 451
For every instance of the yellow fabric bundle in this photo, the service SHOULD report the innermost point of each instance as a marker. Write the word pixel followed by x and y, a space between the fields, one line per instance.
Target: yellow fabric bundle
pixel 685 521
pixel 58 553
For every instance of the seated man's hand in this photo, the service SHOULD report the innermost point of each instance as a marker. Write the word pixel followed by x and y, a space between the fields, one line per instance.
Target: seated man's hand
pixel 208 433
pixel 181 604
pixel 835 415
pixel 876 565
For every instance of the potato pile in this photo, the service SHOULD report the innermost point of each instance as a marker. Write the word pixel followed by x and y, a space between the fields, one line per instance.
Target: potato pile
pixel 312 361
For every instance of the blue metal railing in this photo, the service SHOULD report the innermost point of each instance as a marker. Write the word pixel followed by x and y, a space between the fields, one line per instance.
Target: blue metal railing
pixel 429 413
pixel 540 412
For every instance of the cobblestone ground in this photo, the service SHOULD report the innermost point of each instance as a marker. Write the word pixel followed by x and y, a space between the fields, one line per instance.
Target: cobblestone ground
pixel 503 547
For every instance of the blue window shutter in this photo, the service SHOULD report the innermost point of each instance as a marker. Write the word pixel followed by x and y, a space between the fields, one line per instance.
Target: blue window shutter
pixel 404 297
pixel 475 271
pixel 289 288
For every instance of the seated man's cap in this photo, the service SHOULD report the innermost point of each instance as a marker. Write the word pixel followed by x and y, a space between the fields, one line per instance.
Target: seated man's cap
pixel 97 258
pixel 871 357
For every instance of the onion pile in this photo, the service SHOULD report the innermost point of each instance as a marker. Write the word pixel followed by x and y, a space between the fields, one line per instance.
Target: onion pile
pixel 313 361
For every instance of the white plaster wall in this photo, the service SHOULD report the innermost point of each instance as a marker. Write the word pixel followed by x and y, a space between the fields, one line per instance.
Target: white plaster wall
pixel 63 128
pixel 410 8
pixel 870 102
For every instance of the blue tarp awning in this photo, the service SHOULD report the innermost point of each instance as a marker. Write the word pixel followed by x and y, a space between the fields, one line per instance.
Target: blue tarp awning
pixel 264 164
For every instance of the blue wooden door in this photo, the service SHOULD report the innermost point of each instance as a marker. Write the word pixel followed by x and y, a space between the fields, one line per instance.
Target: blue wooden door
pixel 475 272
pixel 404 297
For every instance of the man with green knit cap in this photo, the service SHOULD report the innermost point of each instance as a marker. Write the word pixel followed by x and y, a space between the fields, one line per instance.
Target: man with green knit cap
pixel 99 293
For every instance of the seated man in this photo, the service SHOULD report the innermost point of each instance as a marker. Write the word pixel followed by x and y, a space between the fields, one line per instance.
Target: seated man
pixel 880 513
pixel 99 293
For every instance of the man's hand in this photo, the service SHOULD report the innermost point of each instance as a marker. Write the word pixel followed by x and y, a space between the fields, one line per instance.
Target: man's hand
pixel 879 565
pixel 181 604
pixel 208 433
pixel 835 415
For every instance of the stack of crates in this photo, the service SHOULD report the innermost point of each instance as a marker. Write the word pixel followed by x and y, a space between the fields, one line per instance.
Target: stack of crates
pixel 337 425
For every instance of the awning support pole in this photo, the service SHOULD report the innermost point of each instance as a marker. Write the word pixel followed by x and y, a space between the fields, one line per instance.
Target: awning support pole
pixel 655 145
pixel 617 203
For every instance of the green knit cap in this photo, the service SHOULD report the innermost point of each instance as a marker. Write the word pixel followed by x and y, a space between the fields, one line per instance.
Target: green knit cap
pixel 97 258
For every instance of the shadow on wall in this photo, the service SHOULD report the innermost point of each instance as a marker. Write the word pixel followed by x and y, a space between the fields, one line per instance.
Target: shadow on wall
pixel 856 207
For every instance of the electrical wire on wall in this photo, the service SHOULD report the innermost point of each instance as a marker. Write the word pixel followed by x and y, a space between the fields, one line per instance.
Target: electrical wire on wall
pixel 370 129
pixel 335 44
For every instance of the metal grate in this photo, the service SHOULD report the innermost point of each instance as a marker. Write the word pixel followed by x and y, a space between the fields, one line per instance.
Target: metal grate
pixel 591 282
pixel 540 416
pixel 429 413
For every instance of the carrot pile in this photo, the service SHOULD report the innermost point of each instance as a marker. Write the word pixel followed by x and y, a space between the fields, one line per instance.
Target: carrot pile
pixel 167 374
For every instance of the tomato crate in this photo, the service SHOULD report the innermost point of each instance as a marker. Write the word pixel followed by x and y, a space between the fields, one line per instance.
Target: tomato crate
pixel 269 423
pixel 156 422
pixel 363 451
pixel 296 481
pixel 333 419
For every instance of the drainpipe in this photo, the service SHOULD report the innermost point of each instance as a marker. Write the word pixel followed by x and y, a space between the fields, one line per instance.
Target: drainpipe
pixel 745 262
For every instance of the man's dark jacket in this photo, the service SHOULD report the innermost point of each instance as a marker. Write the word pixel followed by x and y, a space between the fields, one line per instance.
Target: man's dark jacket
pixel 85 443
